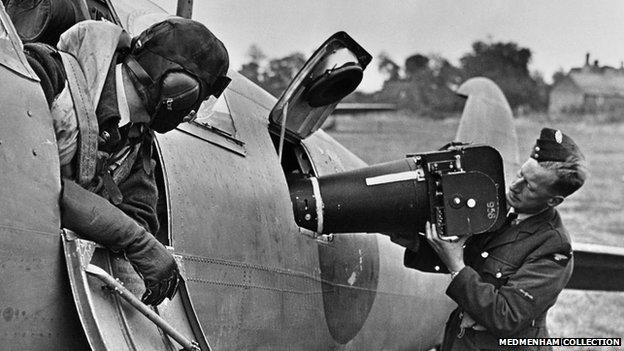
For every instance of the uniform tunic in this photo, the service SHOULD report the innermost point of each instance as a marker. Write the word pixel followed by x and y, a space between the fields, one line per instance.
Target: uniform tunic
pixel 512 277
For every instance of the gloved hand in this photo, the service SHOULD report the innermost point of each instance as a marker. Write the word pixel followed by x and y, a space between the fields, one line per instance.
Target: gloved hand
pixel 156 266
pixel 96 219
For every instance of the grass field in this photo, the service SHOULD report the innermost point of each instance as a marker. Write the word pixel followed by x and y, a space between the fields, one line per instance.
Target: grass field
pixel 595 214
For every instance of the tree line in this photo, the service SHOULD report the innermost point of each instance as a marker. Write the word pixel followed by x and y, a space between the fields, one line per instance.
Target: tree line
pixel 424 83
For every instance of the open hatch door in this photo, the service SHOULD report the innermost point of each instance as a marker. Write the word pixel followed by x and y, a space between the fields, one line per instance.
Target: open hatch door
pixel 106 291
pixel 333 72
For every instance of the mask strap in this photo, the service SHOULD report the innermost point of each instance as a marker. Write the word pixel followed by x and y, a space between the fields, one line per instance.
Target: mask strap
pixel 136 68
pixel 145 82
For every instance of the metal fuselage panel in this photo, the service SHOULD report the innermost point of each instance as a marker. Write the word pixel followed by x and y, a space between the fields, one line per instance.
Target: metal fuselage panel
pixel 37 311
pixel 409 307
pixel 254 279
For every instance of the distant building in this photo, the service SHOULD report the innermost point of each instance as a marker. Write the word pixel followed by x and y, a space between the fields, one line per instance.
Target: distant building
pixel 590 89
pixel 405 94
pixel 423 95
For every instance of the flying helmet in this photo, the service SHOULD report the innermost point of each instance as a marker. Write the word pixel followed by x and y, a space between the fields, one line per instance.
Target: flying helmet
pixel 178 64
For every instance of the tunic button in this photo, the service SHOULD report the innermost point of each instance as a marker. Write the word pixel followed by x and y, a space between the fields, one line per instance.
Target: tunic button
pixel 484 254
pixel 499 274
pixel 537 148
pixel 437 268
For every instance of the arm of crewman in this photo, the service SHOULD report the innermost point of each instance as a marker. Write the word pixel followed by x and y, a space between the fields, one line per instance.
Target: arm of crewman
pixel 140 194
pixel 528 292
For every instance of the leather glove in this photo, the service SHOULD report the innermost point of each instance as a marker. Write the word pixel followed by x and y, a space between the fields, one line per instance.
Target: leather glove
pixel 156 266
pixel 96 219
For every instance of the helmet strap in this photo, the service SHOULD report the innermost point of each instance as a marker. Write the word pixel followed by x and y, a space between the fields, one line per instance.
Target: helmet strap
pixel 142 82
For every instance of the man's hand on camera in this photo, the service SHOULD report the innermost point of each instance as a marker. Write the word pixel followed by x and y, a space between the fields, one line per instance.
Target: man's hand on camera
pixel 450 252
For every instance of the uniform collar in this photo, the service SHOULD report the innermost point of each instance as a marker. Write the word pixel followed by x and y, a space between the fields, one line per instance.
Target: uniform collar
pixel 526 227
pixel 530 224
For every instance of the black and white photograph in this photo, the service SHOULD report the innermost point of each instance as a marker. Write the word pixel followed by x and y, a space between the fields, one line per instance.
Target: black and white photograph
pixel 311 175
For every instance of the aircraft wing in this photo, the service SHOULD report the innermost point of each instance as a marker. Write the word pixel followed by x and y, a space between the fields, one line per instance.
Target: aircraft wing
pixel 597 267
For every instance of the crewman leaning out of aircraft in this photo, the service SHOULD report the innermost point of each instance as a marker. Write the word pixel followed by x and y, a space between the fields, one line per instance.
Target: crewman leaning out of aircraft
pixel 504 282
pixel 108 93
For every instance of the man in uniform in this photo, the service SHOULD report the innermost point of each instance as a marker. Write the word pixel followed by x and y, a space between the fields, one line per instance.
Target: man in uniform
pixel 504 282
pixel 108 93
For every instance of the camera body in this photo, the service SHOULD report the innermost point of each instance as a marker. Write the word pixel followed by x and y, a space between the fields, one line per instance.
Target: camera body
pixel 461 189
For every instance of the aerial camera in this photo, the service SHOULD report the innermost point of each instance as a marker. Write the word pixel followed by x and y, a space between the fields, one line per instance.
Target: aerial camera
pixel 461 189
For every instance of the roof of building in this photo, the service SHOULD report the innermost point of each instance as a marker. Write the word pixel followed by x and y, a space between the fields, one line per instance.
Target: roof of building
pixel 599 81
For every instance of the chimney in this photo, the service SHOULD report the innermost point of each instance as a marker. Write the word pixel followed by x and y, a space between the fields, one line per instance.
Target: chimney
pixel 587 59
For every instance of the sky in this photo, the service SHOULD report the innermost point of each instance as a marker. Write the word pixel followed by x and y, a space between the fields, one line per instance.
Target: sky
pixel 559 33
